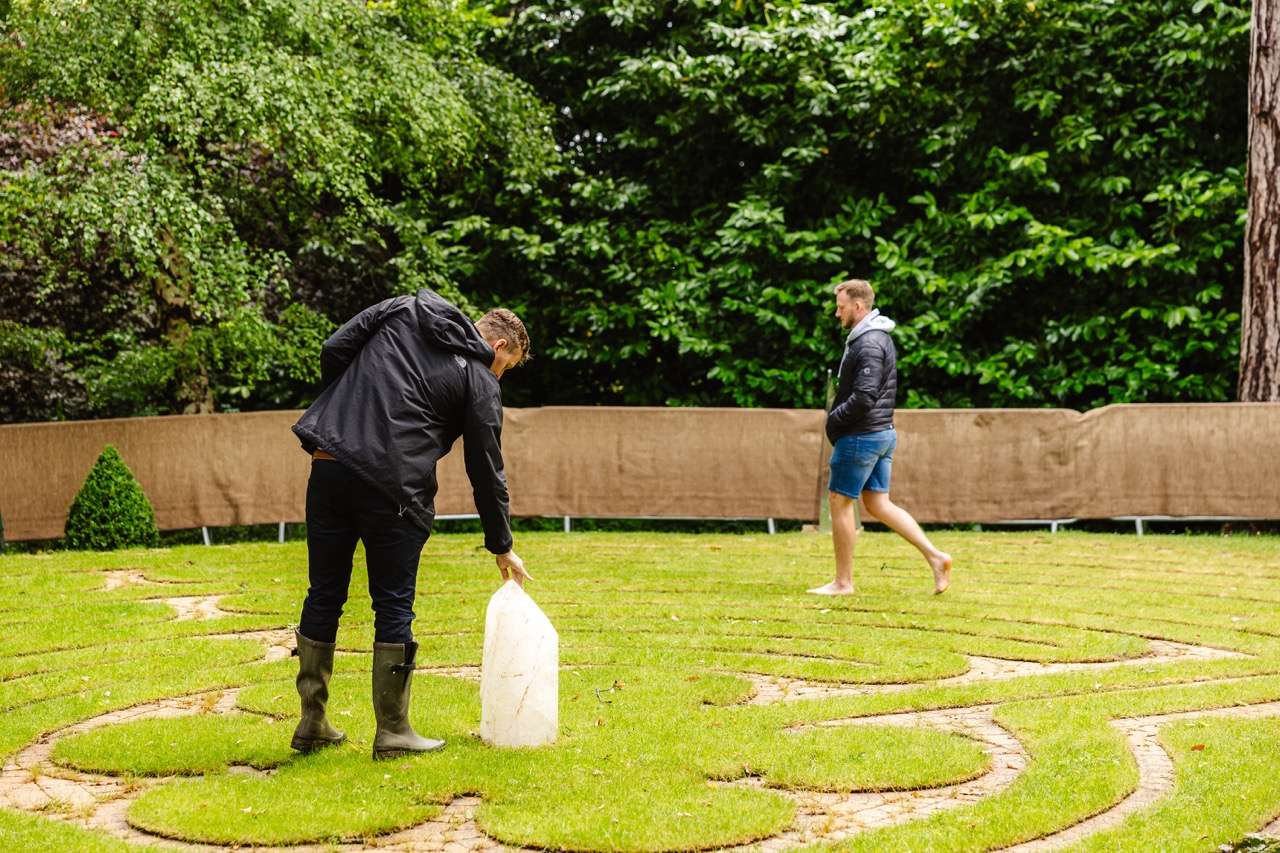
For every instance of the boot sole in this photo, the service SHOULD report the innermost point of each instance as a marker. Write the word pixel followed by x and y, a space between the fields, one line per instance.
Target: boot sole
pixel 305 744
pixel 384 754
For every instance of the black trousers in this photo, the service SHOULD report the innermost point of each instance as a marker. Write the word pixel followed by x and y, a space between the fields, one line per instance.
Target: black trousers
pixel 341 510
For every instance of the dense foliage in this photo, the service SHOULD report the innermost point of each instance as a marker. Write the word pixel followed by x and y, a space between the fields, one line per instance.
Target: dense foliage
pixel 193 192
pixel 1048 195
pixel 110 510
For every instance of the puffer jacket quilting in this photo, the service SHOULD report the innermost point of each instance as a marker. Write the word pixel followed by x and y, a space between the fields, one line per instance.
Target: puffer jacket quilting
pixel 867 387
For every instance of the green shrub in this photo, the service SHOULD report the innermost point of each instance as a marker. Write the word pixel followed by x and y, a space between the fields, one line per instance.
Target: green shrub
pixel 111 511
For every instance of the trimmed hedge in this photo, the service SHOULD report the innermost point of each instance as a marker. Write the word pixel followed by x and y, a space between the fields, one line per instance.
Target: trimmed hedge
pixel 111 511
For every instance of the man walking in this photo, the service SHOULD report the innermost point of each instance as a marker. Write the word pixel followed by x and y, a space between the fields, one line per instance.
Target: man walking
pixel 404 379
pixel 860 427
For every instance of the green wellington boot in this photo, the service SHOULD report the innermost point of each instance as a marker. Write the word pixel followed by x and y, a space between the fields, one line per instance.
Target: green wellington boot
pixel 315 666
pixel 392 677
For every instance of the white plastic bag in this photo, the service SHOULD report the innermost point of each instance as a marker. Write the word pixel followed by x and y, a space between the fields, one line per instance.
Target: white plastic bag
pixel 520 673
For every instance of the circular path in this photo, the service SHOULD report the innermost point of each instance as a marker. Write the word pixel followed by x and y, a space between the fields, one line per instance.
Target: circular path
pixel 32 782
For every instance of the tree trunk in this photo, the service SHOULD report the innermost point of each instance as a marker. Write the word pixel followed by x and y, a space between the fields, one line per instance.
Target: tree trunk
pixel 1260 324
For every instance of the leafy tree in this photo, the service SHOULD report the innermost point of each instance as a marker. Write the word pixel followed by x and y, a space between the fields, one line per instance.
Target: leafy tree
pixel 1260 331
pixel 110 511
pixel 1048 197
pixel 195 193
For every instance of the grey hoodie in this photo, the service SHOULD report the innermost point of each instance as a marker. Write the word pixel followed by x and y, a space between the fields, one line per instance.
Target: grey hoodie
pixel 873 320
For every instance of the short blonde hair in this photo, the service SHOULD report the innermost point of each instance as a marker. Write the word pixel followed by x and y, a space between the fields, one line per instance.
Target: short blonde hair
pixel 858 289
pixel 501 323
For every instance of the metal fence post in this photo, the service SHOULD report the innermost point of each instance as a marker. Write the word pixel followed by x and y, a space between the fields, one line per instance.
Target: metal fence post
pixel 824 502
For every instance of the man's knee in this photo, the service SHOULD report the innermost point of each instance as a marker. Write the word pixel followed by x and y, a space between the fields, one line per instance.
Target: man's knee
pixel 875 503
pixel 320 616
pixel 394 627
pixel 327 601
pixel 838 501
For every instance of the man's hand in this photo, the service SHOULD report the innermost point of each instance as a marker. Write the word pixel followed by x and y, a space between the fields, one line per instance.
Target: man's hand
pixel 512 568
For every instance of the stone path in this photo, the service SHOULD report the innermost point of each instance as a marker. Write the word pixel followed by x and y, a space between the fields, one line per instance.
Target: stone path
pixel 467 673
pixel 454 831
pixel 770 689
pixel 278 641
pixel 30 781
pixel 186 607
pixel 1155 772
pixel 120 578
pixel 829 816
pixel 201 607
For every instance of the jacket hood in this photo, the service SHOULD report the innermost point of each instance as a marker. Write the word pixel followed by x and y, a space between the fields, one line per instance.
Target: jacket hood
pixel 445 326
pixel 873 322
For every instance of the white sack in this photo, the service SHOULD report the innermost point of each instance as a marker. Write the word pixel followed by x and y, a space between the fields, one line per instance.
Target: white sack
pixel 520 674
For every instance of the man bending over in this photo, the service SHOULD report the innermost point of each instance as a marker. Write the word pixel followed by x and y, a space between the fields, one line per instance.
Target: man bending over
pixel 405 378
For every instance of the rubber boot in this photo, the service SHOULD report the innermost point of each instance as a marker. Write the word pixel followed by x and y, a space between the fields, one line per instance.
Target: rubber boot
pixel 392 678
pixel 315 666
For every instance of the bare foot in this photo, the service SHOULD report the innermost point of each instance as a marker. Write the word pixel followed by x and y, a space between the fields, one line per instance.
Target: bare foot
pixel 832 588
pixel 941 566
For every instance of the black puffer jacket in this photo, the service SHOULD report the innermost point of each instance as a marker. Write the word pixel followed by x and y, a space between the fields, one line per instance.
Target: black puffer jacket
pixel 405 378
pixel 868 380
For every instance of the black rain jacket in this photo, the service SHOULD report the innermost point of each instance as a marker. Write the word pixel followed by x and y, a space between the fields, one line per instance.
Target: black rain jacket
pixel 868 383
pixel 404 379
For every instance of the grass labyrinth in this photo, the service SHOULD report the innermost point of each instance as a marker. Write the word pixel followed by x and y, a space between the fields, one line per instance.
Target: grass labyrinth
pixel 1071 690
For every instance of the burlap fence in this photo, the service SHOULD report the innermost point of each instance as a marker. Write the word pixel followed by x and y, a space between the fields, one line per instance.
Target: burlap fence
pixel 950 466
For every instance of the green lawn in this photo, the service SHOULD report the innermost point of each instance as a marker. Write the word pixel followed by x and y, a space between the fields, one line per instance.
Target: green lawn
pixel 670 645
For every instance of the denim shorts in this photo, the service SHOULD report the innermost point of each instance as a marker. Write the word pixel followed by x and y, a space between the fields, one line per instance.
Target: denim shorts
pixel 862 462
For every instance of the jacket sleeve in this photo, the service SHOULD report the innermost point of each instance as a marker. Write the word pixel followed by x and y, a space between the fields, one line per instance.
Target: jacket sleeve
pixel 343 345
pixel 868 366
pixel 482 452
